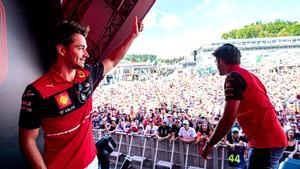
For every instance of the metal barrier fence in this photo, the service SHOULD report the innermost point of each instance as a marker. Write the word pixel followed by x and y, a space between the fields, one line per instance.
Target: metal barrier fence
pixel 147 152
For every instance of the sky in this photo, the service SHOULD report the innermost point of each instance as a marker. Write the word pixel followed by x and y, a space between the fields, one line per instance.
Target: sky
pixel 174 28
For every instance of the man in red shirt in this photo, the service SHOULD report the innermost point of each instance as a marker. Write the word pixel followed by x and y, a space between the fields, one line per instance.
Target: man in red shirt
pixel 247 101
pixel 61 101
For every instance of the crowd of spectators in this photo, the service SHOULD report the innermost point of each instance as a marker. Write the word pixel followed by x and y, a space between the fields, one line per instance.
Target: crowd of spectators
pixel 186 106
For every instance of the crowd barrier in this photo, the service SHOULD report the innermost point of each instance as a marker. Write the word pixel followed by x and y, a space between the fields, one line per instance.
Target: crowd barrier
pixel 148 152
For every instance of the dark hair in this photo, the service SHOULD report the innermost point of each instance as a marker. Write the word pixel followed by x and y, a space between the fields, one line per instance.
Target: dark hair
pixel 63 33
pixel 292 131
pixel 200 129
pixel 229 53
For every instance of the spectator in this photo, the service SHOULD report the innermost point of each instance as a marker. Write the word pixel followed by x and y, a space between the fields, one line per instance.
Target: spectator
pixel 127 127
pixel 113 126
pixel 128 118
pixel 236 149
pixel 157 120
pixel 163 131
pixel 186 133
pixel 203 131
pixel 146 121
pixel 96 120
pixel 292 142
pixel 120 126
pixel 215 120
pixel 140 116
pixel 235 137
pixel 169 119
pixel 103 126
pixel 132 113
pixel 151 129
pixel 139 127
pixel 175 130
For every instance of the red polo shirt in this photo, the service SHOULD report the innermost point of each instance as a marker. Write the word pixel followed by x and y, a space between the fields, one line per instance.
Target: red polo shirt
pixel 257 115
pixel 63 110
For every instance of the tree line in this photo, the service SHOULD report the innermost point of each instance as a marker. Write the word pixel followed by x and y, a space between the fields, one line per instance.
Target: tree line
pixel 259 29
pixel 138 58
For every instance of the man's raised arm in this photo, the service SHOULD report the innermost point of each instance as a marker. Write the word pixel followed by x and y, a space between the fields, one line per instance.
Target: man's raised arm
pixel 118 53
pixel 226 122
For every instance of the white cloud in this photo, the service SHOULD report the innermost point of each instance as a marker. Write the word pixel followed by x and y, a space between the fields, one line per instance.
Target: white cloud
pixel 168 21
pixel 223 9
pixel 198 8
pixel 156 18
pixel 150 20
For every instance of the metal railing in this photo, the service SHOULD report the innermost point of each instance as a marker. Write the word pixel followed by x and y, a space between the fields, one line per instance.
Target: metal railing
pixel 148 152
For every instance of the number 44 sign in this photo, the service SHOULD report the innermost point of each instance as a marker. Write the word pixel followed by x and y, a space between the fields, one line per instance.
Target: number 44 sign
pixel 236 157
pixel 3 45
pixel 233 158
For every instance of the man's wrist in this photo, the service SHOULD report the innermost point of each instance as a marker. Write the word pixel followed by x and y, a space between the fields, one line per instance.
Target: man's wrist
pixel 133 35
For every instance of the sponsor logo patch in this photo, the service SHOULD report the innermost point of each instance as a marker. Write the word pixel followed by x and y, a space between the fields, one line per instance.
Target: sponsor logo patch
pixel 81 74
pixel 63 100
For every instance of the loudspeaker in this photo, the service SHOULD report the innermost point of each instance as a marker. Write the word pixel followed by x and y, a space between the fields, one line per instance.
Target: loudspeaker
pixel 127 162
pixel 105 146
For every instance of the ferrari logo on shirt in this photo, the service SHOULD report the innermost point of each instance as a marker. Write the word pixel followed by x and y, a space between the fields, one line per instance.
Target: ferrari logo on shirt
pixel 63 100
pixel 81 74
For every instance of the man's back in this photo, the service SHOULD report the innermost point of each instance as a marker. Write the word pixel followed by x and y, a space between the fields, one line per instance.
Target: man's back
pixel 257 116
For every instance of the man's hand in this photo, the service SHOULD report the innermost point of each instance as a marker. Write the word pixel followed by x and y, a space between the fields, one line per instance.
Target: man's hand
pixel 118 53
pixel 138 26
pixel 206 151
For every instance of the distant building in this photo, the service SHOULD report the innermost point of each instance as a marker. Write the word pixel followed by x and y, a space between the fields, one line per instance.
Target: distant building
pixel 268 51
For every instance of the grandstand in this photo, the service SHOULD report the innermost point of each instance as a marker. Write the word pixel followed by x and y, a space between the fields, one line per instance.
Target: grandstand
pixel 276 51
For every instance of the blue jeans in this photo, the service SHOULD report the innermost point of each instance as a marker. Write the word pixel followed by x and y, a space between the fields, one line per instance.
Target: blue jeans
pixel 264 158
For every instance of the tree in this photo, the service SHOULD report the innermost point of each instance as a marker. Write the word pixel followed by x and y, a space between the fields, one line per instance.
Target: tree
pixel 260 30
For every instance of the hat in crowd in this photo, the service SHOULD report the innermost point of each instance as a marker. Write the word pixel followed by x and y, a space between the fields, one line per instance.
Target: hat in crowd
pixel 113 119
pixel 292 118
pixel 185 122
pixel 234 129
pixel 165 121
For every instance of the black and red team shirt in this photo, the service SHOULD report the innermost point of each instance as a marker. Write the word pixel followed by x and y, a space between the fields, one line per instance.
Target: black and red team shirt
pixel 256 114
pixel 63 110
